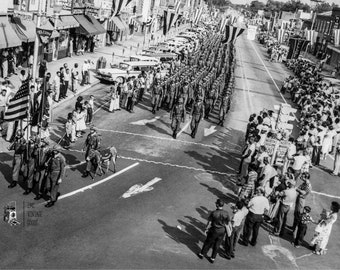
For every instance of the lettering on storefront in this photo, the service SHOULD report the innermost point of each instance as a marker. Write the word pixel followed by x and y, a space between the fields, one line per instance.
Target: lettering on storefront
pixel 44 35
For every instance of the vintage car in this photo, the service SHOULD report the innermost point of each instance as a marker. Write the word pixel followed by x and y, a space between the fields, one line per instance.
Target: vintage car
pixel 136 58
pixel 163 57
pixel 126 70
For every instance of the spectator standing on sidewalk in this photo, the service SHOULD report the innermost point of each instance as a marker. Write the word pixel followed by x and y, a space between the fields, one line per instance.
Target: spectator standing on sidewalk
pixel 303 219
pixel 85 73
pixel 3 106
pixel 75 78
pixel 67 79
pixel 62 83
pixel 80 115
pixel 336 165
pixel 42 69
pixel 288 199
pixel 215 231
pixel 56 83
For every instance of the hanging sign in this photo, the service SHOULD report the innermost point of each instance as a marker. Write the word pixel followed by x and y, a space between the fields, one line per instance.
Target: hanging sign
pixel 44 35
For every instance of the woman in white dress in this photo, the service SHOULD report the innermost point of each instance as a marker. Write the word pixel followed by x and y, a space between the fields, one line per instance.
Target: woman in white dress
pixel 324 228
pixel 80 116
pixel 114 103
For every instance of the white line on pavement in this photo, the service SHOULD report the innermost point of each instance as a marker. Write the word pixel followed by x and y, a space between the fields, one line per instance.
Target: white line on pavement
pixel 167 139
pixel 98 183
pixel 184 128
pixel 270 75
pixel 177 166
pixel 325 194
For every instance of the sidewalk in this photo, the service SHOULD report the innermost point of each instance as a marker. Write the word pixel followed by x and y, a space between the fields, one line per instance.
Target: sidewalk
pixel 122 50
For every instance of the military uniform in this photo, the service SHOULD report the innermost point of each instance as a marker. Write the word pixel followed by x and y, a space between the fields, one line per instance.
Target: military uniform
pixel 177 115
pixel 19 147
pixel 55 172
pixel 197 114
pixel 224 108
pixel 156 94
pixel 92 141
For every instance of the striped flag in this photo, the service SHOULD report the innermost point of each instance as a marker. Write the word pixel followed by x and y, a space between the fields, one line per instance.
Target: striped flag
pixel 311 36
pixel 198 15
pixel 18 105
pixel 117 6
pixel 280 35
pixel 231 33
pixel 337 37
pixel 223 24
pixel 176 13
pixel 167 21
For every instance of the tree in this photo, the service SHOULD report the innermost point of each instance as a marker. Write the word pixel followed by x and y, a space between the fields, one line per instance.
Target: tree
pixel 295 5
pixel 323 7
pixel 256 5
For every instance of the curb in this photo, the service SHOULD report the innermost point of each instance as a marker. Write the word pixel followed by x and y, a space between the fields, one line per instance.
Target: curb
pixel 85 88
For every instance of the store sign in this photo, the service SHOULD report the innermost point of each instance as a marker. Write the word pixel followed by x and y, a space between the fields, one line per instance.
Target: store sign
pixel 44 35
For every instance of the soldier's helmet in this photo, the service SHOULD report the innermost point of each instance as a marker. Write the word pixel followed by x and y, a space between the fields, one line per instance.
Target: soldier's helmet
pixel 180 100
pixel 199 98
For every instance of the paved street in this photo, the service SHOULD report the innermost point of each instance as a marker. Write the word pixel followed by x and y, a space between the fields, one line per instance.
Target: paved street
pixel 94 226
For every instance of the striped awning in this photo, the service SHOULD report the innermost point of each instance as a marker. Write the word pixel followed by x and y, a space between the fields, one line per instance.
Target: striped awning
pixel 8 37
pixel 87 26
pixel 97 24
pixel 66 22
pixel 117 24
pixel 25 29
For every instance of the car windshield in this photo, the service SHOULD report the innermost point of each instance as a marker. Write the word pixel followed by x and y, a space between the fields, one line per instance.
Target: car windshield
pixel 123 66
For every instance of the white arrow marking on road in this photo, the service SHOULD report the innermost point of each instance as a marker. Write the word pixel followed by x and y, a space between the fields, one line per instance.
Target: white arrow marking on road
pixel 209 131
pixel 139 188
pixel 145 121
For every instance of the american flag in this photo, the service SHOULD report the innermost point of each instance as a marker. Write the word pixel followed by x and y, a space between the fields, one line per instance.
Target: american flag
pixel 117 6
pixel 337 37
pixel 223 24
pixel 198 15
pixel 280 35
pixel 311 36
pixel 18 105
pixel 231 33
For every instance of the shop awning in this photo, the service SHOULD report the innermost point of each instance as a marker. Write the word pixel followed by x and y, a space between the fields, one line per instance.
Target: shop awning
pixel 86 27
pixel 25 29
pixel 116 23
pixel 97 25
pixel 46 25
pixel 8 37
pixel 66 22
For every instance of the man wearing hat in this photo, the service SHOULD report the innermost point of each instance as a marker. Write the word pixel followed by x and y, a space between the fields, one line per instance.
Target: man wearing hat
pixel 92 141
pixel 224 108
pixel 197 113
pixel 177 115
pixel 55 174
pixel 215 231
pixel 257 206
pixel 19 147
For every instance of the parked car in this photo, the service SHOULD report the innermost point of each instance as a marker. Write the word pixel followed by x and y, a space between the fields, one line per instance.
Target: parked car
pixel 126 70
pixel 163 57
pixel 135 58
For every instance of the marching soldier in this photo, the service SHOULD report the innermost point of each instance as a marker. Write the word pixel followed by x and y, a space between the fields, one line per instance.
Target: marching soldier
pixel 19 147
pixel 209 102
pixel 30 160
pixel 92 141
pixel 43 154
pixel 156 95
pixel 93 162
pixel 55 174
pixel 177 115
pixel 197 113
pixel 224 108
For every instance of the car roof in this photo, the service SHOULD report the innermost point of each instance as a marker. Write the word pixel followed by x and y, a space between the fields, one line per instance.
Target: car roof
pixel 140 63
pixel 147 58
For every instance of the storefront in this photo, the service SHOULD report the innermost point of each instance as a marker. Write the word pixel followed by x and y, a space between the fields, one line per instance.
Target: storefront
pixel 24 27
pixel 50 45
pixel 85 36
pixel 63 25
pixel 116 29
pixel 8 41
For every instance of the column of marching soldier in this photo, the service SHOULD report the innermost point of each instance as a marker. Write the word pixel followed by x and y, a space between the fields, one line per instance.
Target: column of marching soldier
pixel 197 84
pixel 203 79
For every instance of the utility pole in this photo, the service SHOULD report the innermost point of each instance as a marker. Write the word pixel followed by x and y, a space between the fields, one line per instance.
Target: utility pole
pixel 37 42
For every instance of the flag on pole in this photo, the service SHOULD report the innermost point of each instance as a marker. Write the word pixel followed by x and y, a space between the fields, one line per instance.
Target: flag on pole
pixel 18 105
pixel 231 33
pixel 176 12
pixel 223 24
pixel 280 35
pixel 117 6
pixel 198 15
pixel 337 37
pixel 166 21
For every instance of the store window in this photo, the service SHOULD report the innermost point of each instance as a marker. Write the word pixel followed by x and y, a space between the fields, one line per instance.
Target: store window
pixel 63 39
